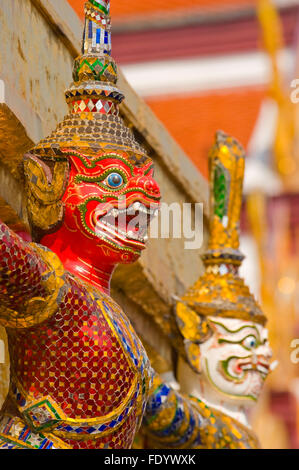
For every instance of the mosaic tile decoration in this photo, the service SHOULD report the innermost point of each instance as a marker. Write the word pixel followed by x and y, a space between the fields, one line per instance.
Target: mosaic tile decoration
pixel 81 374
pixel 80 377
pixel 95 78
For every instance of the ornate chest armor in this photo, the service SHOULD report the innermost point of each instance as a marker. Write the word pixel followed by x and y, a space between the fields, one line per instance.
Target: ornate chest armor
pixel 80 375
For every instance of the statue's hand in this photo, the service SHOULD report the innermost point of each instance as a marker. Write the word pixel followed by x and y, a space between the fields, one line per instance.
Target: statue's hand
pixel 21 270
pixel 169 420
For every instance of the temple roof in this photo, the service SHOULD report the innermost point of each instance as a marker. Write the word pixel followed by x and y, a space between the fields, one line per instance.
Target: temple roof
pixel 194 119
pixel 123 9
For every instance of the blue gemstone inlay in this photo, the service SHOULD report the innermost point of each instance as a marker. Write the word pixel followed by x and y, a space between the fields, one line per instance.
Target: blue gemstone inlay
pixel 44 442
pixel 98 40
pixel 91 430
pixel 90 30
pixel 23 432
pixel 78 430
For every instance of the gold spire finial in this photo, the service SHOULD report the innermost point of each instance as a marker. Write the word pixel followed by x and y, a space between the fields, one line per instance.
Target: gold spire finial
pixel 93 123
pixel 220 291
pixel 226 172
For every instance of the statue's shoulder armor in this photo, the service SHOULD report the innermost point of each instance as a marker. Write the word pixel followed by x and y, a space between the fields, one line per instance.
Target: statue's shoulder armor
pixel 38 309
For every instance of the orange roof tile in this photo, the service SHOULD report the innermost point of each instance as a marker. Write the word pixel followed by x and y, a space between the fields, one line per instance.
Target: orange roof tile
pixel 193 120
pixel 122 9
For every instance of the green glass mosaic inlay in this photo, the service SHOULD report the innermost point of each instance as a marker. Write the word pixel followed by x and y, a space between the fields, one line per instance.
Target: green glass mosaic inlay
pixel 220 190
pixel 92 67
pixel 98 5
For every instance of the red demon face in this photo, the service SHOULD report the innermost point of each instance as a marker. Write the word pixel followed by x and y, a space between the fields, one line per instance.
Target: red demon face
pixel 109 203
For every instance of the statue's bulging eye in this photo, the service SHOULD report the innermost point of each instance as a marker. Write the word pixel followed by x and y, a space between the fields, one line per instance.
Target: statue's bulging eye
pixel 250 342
pixel 114 180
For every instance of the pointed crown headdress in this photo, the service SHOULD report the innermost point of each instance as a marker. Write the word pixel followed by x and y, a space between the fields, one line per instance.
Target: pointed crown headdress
pixel 220 291
pixel 93 124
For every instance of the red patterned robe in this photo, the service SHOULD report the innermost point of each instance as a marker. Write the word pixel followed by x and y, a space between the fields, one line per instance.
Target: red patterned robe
pixel 79 374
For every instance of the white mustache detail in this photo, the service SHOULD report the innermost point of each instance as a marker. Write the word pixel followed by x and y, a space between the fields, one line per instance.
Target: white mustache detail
pixel 261 367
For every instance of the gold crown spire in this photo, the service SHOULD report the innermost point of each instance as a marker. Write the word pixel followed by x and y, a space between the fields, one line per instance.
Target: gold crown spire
pixel 93 122
pixel 226 172
pixel 220 291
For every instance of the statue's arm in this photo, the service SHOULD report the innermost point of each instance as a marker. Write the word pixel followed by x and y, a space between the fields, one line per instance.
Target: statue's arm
pixel 27 280
pixel 170 420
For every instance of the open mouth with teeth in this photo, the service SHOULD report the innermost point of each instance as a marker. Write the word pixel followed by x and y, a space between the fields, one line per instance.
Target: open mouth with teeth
pixel 236 368
pixel 260 367
pixel 239 367
pixel 127 226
